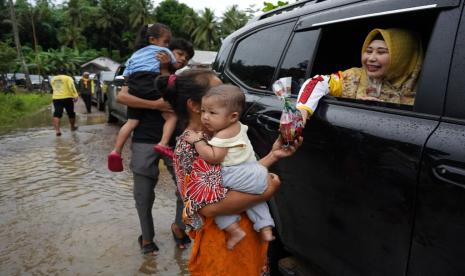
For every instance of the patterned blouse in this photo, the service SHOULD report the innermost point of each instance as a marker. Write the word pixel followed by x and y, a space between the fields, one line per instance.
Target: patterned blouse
pixel 199 182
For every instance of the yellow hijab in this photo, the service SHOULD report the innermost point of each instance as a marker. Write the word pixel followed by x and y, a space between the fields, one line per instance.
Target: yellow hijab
pixel 398 86
pixel 405 52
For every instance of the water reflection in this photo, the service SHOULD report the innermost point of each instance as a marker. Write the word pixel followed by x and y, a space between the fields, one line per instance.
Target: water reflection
pixel 63 213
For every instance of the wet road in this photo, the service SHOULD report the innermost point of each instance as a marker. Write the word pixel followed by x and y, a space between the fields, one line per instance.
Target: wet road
pixel 63 213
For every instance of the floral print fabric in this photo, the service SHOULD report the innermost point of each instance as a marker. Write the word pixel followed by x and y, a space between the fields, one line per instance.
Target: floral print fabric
pixel 199 182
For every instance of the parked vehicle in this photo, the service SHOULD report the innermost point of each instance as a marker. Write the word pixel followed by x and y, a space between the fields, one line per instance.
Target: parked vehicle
pixel 376 188
pixel 36 81
pixel 18 79
pixel 102 80
pixel 115 111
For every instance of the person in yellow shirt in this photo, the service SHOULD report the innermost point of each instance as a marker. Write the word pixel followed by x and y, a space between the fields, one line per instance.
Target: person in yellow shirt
pixel 86 90
pixel 64 96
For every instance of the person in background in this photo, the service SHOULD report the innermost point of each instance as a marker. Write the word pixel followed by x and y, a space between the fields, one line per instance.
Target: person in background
pixel 391 62
pixel 145 161
pixel 64 96
pixel 86 89
pixel 141 70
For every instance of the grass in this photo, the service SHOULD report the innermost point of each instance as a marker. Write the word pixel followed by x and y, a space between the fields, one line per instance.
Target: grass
pixel 20 105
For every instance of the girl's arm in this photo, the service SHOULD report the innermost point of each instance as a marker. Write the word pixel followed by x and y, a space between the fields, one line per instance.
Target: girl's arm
pixel 132 101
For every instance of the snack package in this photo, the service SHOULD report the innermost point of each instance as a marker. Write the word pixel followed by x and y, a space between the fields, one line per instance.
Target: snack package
pixel 291 123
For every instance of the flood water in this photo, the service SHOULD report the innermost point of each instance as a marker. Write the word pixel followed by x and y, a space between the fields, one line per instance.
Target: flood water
pixel 63 213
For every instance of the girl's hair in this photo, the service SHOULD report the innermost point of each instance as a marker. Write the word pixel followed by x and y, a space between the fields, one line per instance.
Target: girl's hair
pixel 191 84
pixel 156 30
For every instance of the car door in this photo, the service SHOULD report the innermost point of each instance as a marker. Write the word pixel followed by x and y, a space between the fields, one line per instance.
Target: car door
pixel 347 199
pixel 438 246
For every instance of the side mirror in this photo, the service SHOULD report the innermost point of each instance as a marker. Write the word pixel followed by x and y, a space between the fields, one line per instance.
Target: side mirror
pixel 119 81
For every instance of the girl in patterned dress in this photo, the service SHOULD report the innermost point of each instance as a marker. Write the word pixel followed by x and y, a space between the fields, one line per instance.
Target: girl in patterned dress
pixel 201 188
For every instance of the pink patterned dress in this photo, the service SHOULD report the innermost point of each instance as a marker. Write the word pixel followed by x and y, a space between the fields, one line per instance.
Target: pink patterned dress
pixel 199 182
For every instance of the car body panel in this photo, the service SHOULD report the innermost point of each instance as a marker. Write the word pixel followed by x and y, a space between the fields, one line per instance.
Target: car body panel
pixel 356 198
pixel 115 109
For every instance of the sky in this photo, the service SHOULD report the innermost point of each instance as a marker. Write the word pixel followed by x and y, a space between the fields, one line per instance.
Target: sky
pixel 219 6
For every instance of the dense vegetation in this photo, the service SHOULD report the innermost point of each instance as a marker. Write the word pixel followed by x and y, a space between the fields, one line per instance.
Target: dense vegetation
pixel 79 30
pixel 15 106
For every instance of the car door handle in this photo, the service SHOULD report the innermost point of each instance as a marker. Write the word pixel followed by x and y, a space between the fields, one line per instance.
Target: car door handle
pixel 270 123
pixel 450 174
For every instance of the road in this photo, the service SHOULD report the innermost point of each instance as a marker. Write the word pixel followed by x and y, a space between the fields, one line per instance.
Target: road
pixel 63 213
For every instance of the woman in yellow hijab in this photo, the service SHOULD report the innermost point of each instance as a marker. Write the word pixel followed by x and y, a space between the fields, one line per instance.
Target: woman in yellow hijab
pixel 391 62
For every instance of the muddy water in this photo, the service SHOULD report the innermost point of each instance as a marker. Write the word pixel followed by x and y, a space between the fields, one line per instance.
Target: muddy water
pixel 63 213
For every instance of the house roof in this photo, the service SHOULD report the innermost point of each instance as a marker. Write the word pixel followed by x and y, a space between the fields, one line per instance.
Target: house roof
pixel 203 58
pixel 104 63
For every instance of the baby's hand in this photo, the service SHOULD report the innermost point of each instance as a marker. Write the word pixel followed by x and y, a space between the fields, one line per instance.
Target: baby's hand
pixel 192 136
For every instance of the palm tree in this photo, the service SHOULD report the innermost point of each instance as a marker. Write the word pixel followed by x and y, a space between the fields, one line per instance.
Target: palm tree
pixel 139 13
pixel 108 20
pixel 233 19
pixel 14 24
pixel 75 12
pixel 190 23
pixel 71 36
pixel 206 32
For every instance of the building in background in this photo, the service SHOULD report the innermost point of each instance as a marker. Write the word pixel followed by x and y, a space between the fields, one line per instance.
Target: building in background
pixel 100 64
pixel 202 59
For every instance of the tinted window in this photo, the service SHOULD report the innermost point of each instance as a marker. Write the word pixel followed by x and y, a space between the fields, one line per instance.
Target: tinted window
pixel 340 47
pixel 257 56
pixel 298 57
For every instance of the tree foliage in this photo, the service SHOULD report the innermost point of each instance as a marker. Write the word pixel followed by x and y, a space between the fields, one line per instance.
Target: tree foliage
pixel 270 6
pixel 7 57
pixel 77 30
pixel 173 14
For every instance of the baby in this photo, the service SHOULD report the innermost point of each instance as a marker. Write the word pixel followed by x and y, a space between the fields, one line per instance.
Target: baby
pixel 221 109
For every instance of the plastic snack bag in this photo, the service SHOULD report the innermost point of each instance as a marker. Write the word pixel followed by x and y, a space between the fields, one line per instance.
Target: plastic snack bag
pixel 291 123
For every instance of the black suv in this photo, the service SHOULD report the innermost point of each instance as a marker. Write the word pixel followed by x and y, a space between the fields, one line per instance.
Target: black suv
pixel 376 188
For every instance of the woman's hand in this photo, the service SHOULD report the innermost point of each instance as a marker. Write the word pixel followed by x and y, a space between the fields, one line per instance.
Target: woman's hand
pixel 279 150
pixel 236 202
pixel 125 98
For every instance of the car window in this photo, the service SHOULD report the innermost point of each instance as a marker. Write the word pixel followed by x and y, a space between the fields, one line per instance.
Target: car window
pixel 339 49
pixel 298 58
pixel 256 57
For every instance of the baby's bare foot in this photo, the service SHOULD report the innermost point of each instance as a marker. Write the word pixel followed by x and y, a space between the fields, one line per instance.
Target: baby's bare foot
pixel 235 236
pixel 267 233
